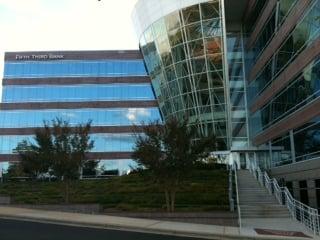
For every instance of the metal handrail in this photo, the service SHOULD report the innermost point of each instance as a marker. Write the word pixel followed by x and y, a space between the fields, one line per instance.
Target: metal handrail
pixel 299 211
pixel 237 192
pixel 231 198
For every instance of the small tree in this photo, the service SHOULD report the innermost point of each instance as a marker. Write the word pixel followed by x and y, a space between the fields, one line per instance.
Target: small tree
pixel 90 168
pixel 70 146
pixel 14 170
pixel 35 159
pixel 59 148
pixel 169 151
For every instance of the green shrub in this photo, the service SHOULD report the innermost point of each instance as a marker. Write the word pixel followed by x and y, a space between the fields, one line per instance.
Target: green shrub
pixel 205 190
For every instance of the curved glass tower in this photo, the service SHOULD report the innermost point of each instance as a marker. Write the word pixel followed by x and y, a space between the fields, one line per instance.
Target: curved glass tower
pixel 184 46
pixel 231 64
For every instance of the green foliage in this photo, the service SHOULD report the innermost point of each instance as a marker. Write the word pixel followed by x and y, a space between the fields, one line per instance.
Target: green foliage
pixel 14 170
pixel 35 158
pixel 70 147
pixel 58 148
pixel 202 190
pixel 169 151
pixel 89 168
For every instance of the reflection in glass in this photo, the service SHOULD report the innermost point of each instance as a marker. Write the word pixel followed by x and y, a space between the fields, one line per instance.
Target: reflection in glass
pixel 76 93
pixel 191 14
pixel 101 68
pixel 99 117
pixel 190 80
pixel 104 142
pixel 304 34
pixel 302 90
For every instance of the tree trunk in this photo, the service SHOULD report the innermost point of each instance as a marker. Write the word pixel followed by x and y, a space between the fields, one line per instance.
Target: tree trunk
pixel 167 200
pixel 173 200
pixel 66 192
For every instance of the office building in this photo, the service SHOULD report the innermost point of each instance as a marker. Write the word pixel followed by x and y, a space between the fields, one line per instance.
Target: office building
pixel 246 71
pixel 111 88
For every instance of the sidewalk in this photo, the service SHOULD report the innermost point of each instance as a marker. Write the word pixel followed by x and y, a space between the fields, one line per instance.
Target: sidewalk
pixel 134 224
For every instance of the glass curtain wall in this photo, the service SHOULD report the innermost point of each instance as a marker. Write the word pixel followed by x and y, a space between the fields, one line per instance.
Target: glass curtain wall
pixel 304 89
pixel 103 142
pixel 275 21
pixel 99 117
pixel 73 68
pixel 77 93
pixel 238 103
pixel 184 55
pixel 304 34
pixel 300 145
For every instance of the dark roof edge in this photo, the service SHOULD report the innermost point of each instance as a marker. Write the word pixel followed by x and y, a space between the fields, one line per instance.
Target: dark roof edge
pixel 72 55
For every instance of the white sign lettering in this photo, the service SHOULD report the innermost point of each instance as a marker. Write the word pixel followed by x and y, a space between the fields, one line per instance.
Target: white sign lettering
pixel 40 57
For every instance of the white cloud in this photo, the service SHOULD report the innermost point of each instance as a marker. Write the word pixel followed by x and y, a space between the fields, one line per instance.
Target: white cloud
pixel 134 114
pixel 35 25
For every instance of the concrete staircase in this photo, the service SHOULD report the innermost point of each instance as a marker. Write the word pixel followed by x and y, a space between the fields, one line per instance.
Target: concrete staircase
pixel 255 201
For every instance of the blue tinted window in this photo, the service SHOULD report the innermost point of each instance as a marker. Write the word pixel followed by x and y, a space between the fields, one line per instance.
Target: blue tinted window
pixel 304 34
pixel 113 142
pixel 102 142
pixel 76 93
pixel 105 68
pixel 123 166
pixel 99 117
pixel 304 89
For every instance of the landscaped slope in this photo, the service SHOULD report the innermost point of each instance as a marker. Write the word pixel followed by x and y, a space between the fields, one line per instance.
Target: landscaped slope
pixel 205 190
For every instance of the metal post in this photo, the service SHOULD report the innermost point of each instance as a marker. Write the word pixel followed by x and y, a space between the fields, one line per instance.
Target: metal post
pixel 231 200
pixel 293 151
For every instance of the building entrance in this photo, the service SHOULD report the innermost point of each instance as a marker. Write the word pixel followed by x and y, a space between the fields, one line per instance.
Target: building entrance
pixel 243 161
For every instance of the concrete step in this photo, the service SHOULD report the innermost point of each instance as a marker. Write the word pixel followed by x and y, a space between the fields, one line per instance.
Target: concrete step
pixel 265 207
pixel 255 193
pixel 265 194
pixel 256 201
pixel 256 196
pixel 249 185
pixel 264 212
pixel 253 188
pixel 265 216
pixel 257 210
pixel 248 190
pixel 274 212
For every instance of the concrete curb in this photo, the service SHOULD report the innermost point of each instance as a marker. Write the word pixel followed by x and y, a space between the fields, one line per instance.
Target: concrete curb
pixel 132 224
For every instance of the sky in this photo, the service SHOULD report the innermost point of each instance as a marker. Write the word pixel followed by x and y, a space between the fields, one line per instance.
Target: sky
pixel 35 25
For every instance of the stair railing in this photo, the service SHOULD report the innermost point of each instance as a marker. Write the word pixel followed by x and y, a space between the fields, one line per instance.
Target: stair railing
pixel 234 168
pixel 231 191
pixel 304 214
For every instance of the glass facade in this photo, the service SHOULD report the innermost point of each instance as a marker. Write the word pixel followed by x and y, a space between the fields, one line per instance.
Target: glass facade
pixel 103 142
pixel 304 34
pixel 25 91
pixel 99 117
pixel 275 21
pixel 77 93
pixel 201 54
pixel 301 91
pixel 265 35
pixel 116 167
pixel 254 15
pixel 302 144
pixel 238 102
pixel 74 68
pixel 184 55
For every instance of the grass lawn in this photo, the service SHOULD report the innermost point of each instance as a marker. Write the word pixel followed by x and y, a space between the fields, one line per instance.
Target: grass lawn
pixel 205 190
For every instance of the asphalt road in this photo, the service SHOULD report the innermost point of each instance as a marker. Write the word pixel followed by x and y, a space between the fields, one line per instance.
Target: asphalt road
pixel 19 230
